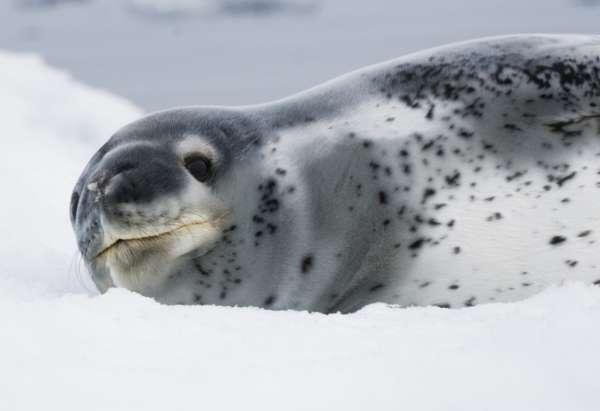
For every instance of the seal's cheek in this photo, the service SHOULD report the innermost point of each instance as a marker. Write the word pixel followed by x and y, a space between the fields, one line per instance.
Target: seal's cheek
pixel 144 264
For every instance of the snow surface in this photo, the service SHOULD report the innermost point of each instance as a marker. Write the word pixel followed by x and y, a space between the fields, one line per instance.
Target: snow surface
pixel 65 348
pixel 50 127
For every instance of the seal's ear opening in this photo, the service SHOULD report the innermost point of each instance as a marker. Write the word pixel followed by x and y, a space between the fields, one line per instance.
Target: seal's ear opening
pixel 199 166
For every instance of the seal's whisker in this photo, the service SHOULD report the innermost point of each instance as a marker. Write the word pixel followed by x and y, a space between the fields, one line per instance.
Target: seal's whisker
pixel 77 271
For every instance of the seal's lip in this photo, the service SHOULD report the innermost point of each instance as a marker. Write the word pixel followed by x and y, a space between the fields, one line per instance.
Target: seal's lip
pixel 159 236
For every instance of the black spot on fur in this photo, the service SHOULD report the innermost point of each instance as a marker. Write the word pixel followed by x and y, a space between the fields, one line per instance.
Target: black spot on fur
pixel 269 300
pixel 415 245
pixel 571 263
pixel 557 239
pixel 465 133
pixel 307 264
pixel 494 217
pixel 512 127
pixel 382 195
pixel 470 302
pixel 427 193
pixel 204 272
pixel 516 175
pixel 433 222
pixel 562 180
pixel 453 179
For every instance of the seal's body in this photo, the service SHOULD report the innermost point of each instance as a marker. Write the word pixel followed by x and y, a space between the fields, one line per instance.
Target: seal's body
pixel 459 175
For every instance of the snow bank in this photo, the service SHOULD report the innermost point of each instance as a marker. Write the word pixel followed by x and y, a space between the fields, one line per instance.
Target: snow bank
pixel 50 127
pixel 62 349
pixel 124 352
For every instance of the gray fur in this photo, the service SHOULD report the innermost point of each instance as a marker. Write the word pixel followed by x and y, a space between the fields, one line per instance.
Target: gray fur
pixel 454 176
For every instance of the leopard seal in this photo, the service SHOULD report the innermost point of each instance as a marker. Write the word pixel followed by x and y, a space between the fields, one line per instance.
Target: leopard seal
pixel 455 176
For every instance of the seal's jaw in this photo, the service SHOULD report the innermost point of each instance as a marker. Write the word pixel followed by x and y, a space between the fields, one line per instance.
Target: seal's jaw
pixel 143 264
pixel 142 244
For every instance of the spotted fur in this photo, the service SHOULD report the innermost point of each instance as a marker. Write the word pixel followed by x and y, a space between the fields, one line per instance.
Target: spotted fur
pixel 452 177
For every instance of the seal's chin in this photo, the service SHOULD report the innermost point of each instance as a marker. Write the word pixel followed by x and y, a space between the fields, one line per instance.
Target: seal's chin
pixel 141 262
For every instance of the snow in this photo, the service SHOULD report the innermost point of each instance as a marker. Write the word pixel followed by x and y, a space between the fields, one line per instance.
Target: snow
pixel 64 347
pixel 51 125
pixel 123 352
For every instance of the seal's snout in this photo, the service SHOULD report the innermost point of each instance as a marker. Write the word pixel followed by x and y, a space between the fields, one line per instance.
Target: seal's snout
pixel 139 175
pixel 124 196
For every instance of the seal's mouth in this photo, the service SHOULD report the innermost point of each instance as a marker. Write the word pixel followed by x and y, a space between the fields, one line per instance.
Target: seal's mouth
pixel 143 242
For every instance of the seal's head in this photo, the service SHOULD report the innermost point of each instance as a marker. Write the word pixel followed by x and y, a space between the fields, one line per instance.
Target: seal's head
pixel 150 196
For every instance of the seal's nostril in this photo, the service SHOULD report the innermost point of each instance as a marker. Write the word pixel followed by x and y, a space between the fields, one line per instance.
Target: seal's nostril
pixel 121 186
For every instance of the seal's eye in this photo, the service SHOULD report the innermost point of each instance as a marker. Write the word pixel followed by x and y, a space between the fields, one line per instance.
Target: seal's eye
pixel 198 166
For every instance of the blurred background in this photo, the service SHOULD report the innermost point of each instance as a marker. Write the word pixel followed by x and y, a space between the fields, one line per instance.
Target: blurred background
pixel 164 53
